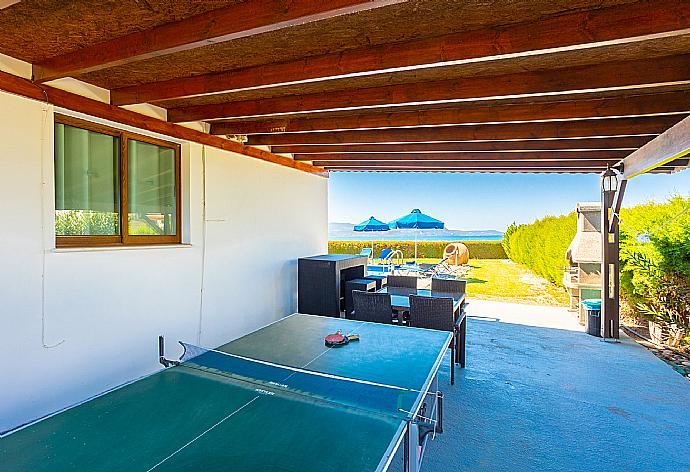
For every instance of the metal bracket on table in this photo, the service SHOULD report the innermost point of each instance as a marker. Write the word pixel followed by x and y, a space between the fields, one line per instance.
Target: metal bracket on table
pixel 424 429
pixel 416 434
pixel 431 426
pixel 161 354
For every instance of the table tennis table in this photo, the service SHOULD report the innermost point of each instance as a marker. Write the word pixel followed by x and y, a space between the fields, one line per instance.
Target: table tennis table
pixel 275 399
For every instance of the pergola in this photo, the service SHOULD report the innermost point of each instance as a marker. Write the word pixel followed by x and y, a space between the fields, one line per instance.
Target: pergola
pixel 380 85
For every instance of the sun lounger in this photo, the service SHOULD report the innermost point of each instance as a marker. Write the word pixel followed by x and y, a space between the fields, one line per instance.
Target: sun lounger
pixel 387 261
pixel 385 256
pixel 441 269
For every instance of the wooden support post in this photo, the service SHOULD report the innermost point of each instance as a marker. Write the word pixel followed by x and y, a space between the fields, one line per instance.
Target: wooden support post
pixel 612 190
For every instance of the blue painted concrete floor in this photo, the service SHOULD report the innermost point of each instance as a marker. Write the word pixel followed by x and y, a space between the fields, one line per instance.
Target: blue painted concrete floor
pixel 539 394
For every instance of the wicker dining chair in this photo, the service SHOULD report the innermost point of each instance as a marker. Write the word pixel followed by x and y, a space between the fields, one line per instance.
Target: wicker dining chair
pixel 435 313
pixel 404 281
pixel 371 306
pixel 449 285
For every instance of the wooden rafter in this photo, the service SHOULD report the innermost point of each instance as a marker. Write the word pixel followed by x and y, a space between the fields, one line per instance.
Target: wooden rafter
pixel 639 105
pixel 622 143
pixel 582 30
pixel 471 170
pixel 467 164
pixel 623 75
pixel 600 156
pixel 19 86
pixel 224 24
pixel 556 129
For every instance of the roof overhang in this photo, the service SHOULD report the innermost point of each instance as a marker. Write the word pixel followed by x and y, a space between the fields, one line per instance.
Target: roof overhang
pixel 670 146
pixel 528 86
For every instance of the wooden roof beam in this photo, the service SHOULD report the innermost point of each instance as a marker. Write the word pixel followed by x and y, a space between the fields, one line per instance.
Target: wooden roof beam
pixel 617 24
pixel 495 132
pixel 467 164
pixel 671 145
pixel 600 156
pixel 611 76
pixel 240 20
pixel 639 105
pixel 532 170
pixel 525 166
pixel 589 145
pixel 472 170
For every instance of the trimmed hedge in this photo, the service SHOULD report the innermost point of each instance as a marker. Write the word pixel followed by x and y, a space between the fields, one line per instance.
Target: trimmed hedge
pixel 425 249
pixel 541 246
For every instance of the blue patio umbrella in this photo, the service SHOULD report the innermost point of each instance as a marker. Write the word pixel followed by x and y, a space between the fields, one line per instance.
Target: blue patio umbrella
pixel 372 224
pixel 416 220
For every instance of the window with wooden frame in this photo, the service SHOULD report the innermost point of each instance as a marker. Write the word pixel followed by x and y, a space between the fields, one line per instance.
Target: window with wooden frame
pixel 114 188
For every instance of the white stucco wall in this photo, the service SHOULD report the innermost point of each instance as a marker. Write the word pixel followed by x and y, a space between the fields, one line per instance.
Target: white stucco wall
pixel 77 322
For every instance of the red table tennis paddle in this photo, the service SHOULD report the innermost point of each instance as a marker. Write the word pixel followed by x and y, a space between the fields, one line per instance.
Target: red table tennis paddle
pixel 339 339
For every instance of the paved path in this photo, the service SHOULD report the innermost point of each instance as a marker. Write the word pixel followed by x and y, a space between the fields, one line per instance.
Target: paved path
pixel 539 394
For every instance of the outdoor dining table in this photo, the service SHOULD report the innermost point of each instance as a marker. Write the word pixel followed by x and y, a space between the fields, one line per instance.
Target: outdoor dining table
pixel 400 302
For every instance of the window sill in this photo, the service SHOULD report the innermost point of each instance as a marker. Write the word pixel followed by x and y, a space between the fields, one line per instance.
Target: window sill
pixel 121 248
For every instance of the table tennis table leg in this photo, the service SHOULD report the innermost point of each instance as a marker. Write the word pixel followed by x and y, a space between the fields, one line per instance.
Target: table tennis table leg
pixel 463 342
pixel 406 452
pixel 411 453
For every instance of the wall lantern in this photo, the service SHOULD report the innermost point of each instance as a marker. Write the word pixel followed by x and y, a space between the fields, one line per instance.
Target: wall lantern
pixel 609 180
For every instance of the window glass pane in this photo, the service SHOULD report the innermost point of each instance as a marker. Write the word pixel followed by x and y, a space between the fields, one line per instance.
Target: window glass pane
pixel 87 182
pixel 151 189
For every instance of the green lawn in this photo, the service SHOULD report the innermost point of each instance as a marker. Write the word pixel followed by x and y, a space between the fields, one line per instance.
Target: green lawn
pixel 504 280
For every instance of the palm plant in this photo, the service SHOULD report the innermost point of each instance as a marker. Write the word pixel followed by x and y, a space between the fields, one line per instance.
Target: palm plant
pixel 664 297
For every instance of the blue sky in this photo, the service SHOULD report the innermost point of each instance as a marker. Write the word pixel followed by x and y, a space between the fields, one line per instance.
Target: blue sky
pixel 480 201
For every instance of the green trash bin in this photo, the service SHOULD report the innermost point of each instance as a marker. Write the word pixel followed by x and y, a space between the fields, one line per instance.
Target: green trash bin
pixel 593 309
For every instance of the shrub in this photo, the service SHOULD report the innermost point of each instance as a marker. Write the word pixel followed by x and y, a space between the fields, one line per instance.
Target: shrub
pixel 425 249
pixel 84 222
pixel 655 276
pixel 663 297
pixel 670 238
pixel 541 245
pixel 507 238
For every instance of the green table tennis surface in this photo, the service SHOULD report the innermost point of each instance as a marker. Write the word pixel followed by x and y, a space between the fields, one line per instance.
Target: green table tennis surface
pixel 183 418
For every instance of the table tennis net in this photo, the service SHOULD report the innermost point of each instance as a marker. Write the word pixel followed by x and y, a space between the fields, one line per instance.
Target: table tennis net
pixel 275 379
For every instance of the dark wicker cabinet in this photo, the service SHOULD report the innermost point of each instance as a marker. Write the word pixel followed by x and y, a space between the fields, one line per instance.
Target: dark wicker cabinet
pixel 321 282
